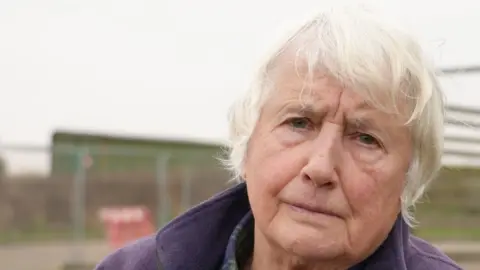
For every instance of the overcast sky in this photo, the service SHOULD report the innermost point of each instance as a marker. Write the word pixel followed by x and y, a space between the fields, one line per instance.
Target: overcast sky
pixel 170 67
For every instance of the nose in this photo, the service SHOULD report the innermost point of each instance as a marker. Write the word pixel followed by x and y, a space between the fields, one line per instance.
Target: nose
pixel 321 168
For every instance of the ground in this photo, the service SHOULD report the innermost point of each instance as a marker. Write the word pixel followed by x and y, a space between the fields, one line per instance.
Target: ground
pixel 50 256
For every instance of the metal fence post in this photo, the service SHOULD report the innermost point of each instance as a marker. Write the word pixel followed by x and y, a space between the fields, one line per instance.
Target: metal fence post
pixel 186 188
pixel 78 204
pixel 163 199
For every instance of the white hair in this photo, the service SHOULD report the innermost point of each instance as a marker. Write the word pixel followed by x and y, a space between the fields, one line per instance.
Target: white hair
pixel 369 56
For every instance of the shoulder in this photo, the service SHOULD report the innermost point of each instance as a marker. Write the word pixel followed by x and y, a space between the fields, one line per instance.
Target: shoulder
pixel 139 255
pixel 425 256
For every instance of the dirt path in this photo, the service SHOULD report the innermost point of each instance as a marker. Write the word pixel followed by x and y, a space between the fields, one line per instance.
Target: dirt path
pixel 49 256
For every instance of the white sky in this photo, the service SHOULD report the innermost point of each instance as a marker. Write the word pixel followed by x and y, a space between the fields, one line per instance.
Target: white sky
pixel 169 67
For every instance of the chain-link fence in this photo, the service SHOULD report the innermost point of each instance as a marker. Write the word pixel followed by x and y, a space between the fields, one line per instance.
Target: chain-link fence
pixel 53 196
pixel 451 209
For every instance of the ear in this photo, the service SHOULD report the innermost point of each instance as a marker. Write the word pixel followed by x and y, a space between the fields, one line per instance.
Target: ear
pixel 244 176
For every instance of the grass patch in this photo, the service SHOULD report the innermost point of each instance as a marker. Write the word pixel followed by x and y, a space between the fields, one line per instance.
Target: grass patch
pixel 44 234
pixel 436 234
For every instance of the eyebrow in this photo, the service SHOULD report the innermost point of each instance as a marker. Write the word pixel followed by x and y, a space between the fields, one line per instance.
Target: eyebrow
pixel 304 108
pixel 358 120
pixel 363 123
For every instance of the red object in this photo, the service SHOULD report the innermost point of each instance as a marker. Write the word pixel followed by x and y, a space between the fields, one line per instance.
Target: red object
pixel 126 224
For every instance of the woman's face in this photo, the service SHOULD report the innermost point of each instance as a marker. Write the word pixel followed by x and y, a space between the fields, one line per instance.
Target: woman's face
pixel 324 170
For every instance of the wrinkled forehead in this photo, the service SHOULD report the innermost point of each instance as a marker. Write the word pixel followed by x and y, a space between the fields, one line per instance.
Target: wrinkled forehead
pixel 300 69
pixel 321 97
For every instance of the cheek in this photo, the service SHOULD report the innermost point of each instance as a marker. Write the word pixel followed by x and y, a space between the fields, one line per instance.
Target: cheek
pixel 270 170
pixel 373 191
pixel 269 167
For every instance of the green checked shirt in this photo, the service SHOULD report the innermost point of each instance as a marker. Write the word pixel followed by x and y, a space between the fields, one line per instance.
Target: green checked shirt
pixel 240 245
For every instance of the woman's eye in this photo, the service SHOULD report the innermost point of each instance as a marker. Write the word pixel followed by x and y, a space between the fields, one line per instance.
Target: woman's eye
pixel 367 139
pixel 299 123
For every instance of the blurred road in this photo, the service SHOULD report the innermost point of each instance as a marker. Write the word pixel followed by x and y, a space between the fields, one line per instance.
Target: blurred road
pixel 52 256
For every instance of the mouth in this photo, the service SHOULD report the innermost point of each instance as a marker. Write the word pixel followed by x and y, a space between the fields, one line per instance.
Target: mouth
pixel 306 208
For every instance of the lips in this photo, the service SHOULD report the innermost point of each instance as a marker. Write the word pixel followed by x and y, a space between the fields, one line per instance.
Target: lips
pixel 314 209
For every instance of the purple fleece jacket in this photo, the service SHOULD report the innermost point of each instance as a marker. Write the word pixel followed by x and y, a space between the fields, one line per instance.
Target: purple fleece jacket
pixel 197 240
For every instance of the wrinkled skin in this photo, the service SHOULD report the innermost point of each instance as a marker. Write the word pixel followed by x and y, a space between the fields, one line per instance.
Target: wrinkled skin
pixel 324 173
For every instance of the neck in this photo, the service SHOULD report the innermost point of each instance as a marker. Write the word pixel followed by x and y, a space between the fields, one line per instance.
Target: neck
pixel 267 255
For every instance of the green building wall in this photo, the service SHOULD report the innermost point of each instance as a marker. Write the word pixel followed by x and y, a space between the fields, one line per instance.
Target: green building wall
pixel 109 154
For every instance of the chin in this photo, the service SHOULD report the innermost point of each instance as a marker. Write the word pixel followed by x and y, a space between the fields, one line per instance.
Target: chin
pixel 313 243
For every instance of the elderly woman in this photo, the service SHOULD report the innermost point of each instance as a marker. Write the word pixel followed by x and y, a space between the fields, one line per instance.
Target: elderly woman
pixel 332 146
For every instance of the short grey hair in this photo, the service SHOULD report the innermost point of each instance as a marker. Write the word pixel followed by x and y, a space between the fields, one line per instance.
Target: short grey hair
pixel 366 54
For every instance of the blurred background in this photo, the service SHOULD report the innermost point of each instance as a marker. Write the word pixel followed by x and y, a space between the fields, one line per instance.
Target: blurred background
pixel 113 117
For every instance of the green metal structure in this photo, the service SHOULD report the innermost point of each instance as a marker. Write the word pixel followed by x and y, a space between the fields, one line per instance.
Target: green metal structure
pixel 113 154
